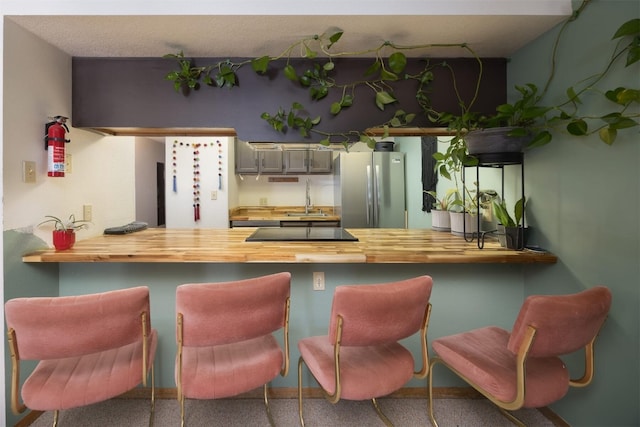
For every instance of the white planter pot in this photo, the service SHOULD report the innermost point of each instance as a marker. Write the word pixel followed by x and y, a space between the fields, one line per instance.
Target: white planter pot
pixel 462 223
pixel 440 220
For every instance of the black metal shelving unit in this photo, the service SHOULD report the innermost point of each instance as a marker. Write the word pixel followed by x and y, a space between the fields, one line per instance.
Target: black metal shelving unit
pixel 497 161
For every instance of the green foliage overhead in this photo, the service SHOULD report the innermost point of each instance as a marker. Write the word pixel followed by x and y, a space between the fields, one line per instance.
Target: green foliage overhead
pixel 529 114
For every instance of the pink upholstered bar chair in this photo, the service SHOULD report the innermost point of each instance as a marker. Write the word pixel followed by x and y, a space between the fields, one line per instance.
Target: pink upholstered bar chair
pixel 89 348
pixel 522 368
pixel 225 333
pixel 361 358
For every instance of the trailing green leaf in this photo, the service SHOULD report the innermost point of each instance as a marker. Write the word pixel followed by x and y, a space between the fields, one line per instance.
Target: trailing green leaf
pixel 608 135
pixel 577 127
pixel 397 62
pixel 290 73
pixel 629 28
pixel 334 38
pixel 384 98
pixel 260 65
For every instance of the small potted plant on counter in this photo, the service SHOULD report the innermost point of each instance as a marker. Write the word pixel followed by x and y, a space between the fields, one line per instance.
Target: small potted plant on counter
pixel 64 232
pixel 463 213
pixel 511 230
pixel 440 217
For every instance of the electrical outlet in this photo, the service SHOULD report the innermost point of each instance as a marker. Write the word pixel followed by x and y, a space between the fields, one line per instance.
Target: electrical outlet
pixel 318 281
pixel 29 172
pixel 263 201
pixel 214 195
pixel 87 212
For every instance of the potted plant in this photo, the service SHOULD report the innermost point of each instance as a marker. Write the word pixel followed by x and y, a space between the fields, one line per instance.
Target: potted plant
pixel 528 116
pixel 463 213
pixel 528 122
pixel 64 232
pixel 440 217
pixel 511 229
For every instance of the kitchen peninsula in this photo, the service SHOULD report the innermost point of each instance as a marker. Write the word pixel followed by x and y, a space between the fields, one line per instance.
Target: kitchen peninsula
pixel 471 286
pixel 374 246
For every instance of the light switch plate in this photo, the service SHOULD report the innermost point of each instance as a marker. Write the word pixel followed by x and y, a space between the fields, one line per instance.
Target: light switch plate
pixel 29 172
pixel 68 163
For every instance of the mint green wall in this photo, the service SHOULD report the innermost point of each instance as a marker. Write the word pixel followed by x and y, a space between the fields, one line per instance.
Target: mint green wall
pixel 584 206
pixel 464 297
pixel 23 280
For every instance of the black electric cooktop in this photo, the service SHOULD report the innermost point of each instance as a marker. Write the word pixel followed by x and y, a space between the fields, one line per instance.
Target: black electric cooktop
pixel 301 234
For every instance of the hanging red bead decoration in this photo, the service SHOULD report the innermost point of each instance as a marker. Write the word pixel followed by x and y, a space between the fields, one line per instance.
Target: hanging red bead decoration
pixel 219 164
pixel 174 159
pixel 196 186
pixel 196 182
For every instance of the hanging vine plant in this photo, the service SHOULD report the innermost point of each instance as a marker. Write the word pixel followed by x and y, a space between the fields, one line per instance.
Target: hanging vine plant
pixel 388 67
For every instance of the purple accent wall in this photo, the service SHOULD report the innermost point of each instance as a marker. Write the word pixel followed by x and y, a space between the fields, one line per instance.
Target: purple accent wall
pixel 133 92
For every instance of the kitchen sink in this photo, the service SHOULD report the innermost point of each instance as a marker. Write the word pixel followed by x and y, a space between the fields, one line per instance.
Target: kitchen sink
pixel 306 214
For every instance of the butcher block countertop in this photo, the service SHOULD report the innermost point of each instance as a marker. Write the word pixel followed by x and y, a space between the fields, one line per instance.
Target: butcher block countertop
pixel 375 245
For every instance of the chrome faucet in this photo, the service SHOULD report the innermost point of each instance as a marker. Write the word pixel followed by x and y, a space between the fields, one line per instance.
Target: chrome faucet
pixel 307 202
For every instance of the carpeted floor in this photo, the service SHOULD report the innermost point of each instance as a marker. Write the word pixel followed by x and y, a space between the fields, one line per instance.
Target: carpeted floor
pixel 407 412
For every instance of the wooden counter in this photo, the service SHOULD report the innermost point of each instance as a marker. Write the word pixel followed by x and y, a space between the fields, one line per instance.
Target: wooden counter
pixel 228 246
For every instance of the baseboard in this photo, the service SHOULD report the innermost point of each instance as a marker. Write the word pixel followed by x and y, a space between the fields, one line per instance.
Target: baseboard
pixel 316 393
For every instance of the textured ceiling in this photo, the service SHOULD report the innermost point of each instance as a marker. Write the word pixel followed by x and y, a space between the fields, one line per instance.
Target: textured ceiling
pixel 253 36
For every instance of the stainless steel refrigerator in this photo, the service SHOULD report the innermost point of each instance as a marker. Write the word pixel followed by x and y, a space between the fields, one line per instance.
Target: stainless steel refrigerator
pixel 370 189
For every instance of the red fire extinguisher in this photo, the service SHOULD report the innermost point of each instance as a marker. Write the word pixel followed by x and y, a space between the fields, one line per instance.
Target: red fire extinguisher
pixel 55 140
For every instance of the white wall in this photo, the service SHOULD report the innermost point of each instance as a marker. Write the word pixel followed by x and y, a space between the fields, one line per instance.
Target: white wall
pixel 252 188
pixel 213 158
pixel 102 168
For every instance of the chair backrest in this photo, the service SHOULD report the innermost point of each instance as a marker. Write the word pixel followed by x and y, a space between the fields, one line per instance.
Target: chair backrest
pixel 59 327
pixel 232 311
pixel 379 314
pixel 564 323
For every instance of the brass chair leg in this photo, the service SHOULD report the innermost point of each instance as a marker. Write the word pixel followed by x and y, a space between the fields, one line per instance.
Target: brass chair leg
pixel 181 401
pixel 266 405
pixel 153 398
pixel 300 391
pixel 432 417
pixel 382 416
pixel 55 417
pixel 511 417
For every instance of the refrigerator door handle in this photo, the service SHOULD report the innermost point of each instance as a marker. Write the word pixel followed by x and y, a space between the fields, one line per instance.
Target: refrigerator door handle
pixel 369 195
pixel 376 208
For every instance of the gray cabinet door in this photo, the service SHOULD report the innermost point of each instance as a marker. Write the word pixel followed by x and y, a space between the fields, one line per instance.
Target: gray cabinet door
pixel 296 161
pixel 320 161
pixel 270 161
pixel 246 158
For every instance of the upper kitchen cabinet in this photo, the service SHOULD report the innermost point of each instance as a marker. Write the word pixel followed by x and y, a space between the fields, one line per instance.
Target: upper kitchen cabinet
pixel 246 158
pixel 320 161
pixel 307 161
pixel 296 161
pixel 269 161
pixel 274 159
pixel 253 161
